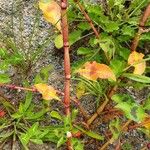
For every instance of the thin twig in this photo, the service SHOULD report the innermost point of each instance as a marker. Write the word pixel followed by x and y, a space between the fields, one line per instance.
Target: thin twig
pixel 87 18
pixel 142 23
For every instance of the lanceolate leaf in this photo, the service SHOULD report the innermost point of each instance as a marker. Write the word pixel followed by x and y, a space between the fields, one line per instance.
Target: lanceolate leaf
pixel 48 92
pixel 138 78
pixel 94 70
pixel 51 11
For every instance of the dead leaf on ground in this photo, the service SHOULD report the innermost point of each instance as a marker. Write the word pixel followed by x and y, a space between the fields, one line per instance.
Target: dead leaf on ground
pixel 47 91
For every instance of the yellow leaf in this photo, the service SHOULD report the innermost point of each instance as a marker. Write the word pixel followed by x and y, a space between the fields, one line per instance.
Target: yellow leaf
pixel 52 12
pixel 146 123
pixel 48 92
pixel 94 70
pixel 136 60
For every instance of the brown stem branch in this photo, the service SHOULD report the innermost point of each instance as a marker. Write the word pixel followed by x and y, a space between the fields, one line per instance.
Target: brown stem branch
pixel 65 34
pixel 142 23
pixel 87 18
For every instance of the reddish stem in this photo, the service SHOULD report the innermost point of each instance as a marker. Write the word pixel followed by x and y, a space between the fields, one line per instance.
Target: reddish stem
pixel 64 23
pixel 142 23
pixel 18 87
pixel 87 18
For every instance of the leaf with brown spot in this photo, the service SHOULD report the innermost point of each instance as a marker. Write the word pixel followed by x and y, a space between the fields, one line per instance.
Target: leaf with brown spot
pixel 48 92
pixel 136 60
pixel 94 70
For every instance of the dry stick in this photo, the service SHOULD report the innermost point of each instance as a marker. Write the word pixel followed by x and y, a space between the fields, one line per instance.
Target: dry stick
pixel 140 30
pixel 87 18
pixel 14 87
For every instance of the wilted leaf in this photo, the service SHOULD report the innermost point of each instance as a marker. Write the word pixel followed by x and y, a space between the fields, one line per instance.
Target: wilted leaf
pixel 51 11
pixel 48 92
pixel 94 70
pixel 136 60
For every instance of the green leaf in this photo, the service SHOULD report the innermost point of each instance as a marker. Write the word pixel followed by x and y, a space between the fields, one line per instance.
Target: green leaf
pixel 124 53
pixel 74 36
pixel 90 133
pixel 119 98
pixel 80 89
pixel 27 100
pixel 117 66
pixel 56 115
pixel 58 41
pixel 43 75
pixel 84 26
pixel 77 145
pixel 138 78
pixel 131 109
pixel 84 51
pixel 4 78
pixel 37 141
pixel 74 114
pixel 111 26
pixel 3 53
pixel 108 46
pixel 128 30
pixel 61 141
pixel 25 137
pixel 35 115
pixel 115 128
pixel 147 104
pixel 67 123
pixel 5 135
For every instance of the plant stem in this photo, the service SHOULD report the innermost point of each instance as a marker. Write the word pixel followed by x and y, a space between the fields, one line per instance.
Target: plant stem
pixel 14 87
pixel 142 23
pixel 64 23
pixel 87 18
pixel 102 106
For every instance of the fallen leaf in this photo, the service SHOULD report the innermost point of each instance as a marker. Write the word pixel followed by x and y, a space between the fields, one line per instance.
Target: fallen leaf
pixel 51 11
pixel 48 92
pixel 134 60
pixel 94 70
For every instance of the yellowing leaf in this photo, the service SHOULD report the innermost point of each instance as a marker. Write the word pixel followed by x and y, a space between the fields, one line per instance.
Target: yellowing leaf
pixel 94 70
pixel 48 92
pixel 51 11
pixel 136 60
pixel 146 123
